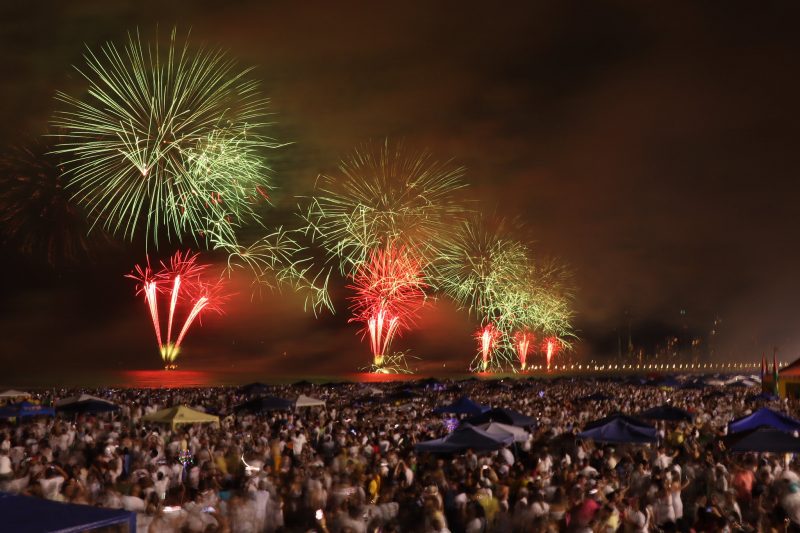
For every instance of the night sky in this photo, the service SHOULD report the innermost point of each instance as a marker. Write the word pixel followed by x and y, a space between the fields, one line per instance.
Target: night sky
pixel 651 146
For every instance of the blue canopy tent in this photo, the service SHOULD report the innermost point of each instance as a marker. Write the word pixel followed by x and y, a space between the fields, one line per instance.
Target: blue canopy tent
pixel 762 439
pixel 764 417
pixel 25 409
pixel 265 403
pixel 613 416
pixel 666 412
pixel 462 406
pixel 85 403
pixel 466 437
pixel 618 430
pixel 503 416
pixel 25 514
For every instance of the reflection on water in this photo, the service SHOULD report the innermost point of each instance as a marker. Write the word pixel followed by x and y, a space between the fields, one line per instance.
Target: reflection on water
pixel 154 379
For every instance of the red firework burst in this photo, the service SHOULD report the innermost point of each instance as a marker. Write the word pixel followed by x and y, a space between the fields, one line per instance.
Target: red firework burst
pixel 551 346
pixel 487 338
pixel 183 280
pixel 389 294
pixel 523 340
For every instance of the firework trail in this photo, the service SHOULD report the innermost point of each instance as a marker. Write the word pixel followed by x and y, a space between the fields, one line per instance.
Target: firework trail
pixel 476 267
pixel 551 347
pixel 523 340
pixel 183 282
pixel 488 337
pixel 389 294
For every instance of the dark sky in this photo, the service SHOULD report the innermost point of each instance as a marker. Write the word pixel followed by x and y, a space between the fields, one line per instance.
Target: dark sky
pixel 652 146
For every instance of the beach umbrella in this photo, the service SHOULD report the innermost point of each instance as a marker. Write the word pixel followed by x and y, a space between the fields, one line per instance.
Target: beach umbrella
pixel 463 438
pixel 504 416
pixel 11 393
pixel 308 401
pixel 614 416
pixel 764 417
pixel 180 415
pixel 462 406
pixel 618 430
pixel 85 403
pixel 496 428
pixel 762 439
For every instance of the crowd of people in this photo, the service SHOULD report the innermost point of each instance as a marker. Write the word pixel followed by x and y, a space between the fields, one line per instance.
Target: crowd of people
pixel 352 466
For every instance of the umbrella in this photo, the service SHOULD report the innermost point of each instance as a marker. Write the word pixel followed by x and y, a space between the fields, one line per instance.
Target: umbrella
pixel 666 412
pixel 625 418
pixel 11 393
pixel 496 428
pixel 85 403
pixel 265 403
pixel 25 409
pixel 308 401
pixel 764 417
pixel 466 437
pixel 180 415
pixel 762 439
pixel 504 416
pixel 619 430
pixel 462 406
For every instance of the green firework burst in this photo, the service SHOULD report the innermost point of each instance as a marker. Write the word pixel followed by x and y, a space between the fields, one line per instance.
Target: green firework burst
pixel 384 196
pixel 164 137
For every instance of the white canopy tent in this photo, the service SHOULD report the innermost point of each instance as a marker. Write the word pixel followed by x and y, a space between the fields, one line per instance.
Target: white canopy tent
pixel 80 398
pixel 308 401
pixel 496 428
pixel 11 393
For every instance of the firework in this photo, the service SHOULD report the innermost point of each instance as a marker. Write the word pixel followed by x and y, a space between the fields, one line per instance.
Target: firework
pixel 164 137
pixel 488 337
pixel 183 282
pixel 551 346
pixel 475 268
pixel 389 294
pixel 276 260
pixel 37 215
pixel 383 196
pixel 522 341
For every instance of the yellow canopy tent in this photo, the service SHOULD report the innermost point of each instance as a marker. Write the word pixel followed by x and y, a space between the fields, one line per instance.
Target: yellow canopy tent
pixel 180 415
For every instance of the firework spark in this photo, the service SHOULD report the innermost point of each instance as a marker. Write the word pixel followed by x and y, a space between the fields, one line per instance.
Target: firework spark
pixel 389 294
pixel 164 137
pixel 383 196
pixel 184 282
pixel 488 337
pixel 523 340
pixel 551 347
pixel 475 268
